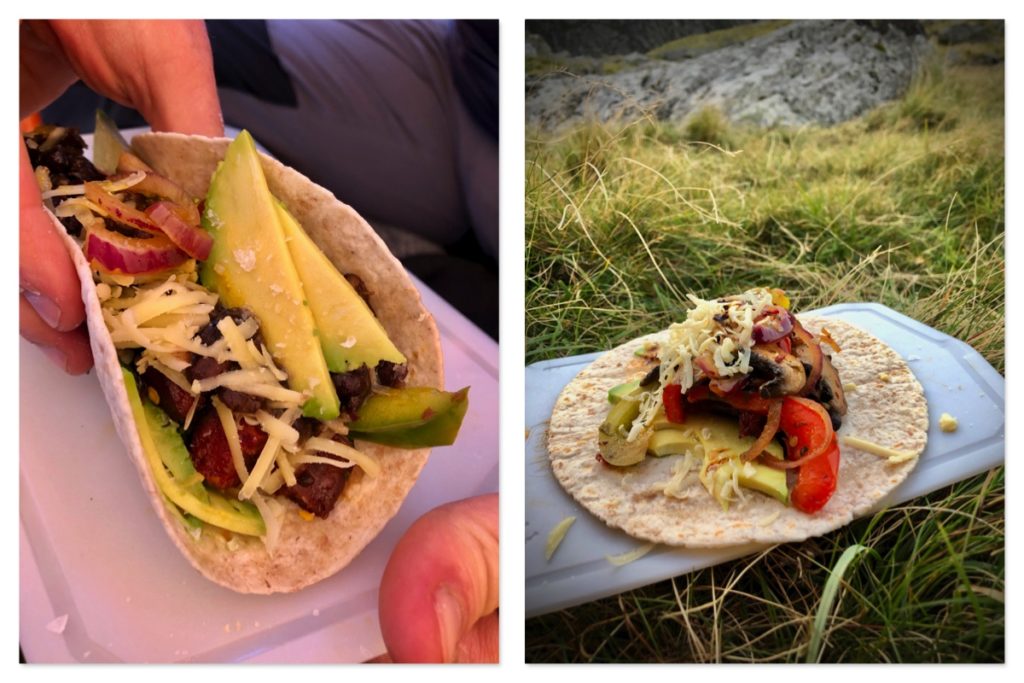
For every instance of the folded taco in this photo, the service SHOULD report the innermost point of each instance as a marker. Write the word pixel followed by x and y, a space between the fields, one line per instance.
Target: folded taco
pixel 269 364
pixel 743 423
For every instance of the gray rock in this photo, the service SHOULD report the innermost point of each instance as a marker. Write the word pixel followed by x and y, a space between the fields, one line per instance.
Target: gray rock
pixel 822 72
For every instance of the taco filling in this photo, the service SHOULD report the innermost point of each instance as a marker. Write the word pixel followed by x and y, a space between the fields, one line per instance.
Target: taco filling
pixel 254 368
pixel 745 394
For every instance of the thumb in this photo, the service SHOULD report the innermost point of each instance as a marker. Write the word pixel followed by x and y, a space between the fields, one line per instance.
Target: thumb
pixel 439 593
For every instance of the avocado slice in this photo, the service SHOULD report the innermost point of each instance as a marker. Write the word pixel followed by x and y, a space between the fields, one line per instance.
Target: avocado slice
pixel 250 265
pixel 719 434
pixel 401 409
pixel 751 476
pixel 440 431
pixel 611 435
pixel 162 443
pixel 107 144
pixel 350 335
pixel 620 391
pixel 671 442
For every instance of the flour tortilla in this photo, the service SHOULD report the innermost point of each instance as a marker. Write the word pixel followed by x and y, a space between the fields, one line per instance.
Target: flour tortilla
pixel 308 551
pixel 887 408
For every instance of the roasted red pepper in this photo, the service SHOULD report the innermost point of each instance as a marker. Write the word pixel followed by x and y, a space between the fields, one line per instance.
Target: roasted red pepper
pixel 672 399
pixel 816 480
pixel 806 431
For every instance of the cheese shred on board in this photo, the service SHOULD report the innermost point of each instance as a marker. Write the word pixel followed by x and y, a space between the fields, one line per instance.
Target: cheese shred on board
pixel 631 556
pixel 891 454
pixel 556 536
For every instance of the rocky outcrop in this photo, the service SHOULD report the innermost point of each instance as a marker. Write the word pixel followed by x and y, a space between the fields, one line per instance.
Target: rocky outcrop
pixel 820 72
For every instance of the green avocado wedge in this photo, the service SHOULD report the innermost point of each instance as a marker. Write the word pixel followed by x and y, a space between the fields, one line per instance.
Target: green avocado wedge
pixel 161 444
pixel 401 409
pixel 107 144
pixel 440 430
pixel 250 265
pixel 350 334
pixel 620 391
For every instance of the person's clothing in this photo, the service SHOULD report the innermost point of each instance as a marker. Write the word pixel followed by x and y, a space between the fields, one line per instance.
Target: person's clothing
pixel 378 119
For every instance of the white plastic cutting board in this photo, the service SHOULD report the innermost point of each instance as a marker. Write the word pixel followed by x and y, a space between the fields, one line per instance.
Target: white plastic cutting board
pixel 92 548
pixel 956 379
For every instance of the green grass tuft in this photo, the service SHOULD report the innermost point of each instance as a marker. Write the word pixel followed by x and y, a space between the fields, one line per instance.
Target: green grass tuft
pixel 691 46
pixel 708 125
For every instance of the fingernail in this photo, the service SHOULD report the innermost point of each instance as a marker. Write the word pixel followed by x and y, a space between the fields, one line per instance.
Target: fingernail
pixel 46 308
pixel 449 619
pixel 58 357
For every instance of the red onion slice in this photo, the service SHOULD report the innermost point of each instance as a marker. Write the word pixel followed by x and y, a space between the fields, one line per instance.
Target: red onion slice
pixel 153 185
pixel 771 427
pixel 118 210
pixel 773 328
pixel 117 253
pixel 192 239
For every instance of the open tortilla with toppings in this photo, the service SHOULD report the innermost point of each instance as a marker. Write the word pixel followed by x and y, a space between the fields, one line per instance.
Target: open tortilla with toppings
pixel 885 407
pixel 307 547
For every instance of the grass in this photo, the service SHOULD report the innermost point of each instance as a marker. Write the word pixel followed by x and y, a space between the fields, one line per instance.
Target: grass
pixel 700 43
pixel 903 206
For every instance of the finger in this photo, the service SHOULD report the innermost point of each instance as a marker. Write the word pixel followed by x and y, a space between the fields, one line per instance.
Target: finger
pixel 163 68
pixel 439 591
pixel 70 351
pixel 45 71
pixel 47 275
pixel 180 92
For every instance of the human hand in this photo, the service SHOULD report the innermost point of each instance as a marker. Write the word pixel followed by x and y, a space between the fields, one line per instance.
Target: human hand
pixel 439 594
pixel 162 68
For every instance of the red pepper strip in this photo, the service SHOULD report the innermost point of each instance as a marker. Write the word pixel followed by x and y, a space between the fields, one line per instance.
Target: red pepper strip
pixel 672 398
pixel 816 480
pixel 807 427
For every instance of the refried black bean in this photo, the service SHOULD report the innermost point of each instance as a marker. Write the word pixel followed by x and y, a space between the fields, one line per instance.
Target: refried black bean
pixel 318 485
pixel 353 387
pixel 210 334
pixel 392 374
pixel 205 367
pixel 239 402
pixel 307 427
